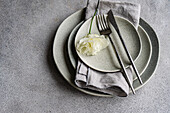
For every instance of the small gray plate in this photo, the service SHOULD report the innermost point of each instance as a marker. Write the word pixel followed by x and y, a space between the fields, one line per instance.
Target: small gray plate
pixel 106 60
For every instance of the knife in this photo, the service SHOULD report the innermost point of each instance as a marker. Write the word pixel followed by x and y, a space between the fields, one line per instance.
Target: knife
pixel 113 22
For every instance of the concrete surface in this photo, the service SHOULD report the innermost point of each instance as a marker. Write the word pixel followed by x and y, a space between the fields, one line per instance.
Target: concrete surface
pixel 30 81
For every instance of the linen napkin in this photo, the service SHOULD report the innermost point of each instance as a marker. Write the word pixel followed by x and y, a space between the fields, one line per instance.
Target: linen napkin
pixel 110 83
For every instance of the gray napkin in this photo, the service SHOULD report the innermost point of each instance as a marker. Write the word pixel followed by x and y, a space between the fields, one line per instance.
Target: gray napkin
pixel 123 9
pixel 109 83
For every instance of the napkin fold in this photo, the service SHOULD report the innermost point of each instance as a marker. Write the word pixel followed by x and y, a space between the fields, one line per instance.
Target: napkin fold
pixel 110 83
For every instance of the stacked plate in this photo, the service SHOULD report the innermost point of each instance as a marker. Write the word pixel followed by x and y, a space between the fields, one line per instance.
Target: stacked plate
pixel 143 45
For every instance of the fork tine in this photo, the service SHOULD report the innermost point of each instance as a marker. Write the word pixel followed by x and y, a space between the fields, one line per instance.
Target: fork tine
pixel 98 24
pixel 101 23
pixel 104 22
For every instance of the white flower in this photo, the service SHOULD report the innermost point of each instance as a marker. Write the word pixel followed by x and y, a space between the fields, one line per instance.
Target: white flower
pixel 91 44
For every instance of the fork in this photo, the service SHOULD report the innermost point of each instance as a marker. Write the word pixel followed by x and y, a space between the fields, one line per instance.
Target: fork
pixel 104 29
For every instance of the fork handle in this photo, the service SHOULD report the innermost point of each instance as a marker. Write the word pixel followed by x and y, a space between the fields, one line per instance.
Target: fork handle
pixel 122 66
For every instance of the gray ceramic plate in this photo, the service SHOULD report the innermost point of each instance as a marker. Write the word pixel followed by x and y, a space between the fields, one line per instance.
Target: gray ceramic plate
pixel 65 67
pixel 141 62
pixel 106 60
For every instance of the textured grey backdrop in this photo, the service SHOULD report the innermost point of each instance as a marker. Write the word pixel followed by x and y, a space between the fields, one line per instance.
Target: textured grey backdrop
pixel 30 81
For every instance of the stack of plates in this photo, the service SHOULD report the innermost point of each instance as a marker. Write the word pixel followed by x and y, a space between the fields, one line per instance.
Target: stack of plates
pixel 145 54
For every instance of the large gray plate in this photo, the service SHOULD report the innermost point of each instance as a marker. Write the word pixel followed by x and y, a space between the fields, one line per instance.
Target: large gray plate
pixel 65 67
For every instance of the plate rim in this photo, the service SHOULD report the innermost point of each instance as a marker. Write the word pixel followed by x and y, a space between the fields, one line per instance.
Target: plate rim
pixel 158 55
